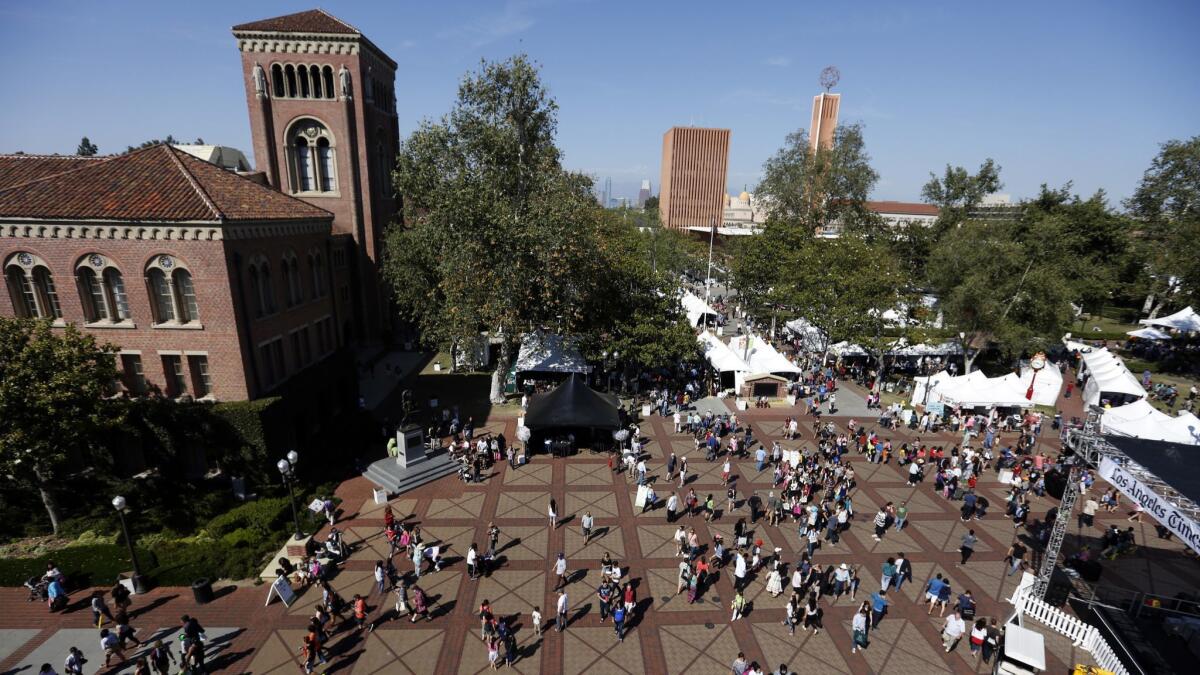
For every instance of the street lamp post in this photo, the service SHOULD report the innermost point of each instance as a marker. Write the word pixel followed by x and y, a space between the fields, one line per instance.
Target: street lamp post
pixel 139 582
pixel 287 467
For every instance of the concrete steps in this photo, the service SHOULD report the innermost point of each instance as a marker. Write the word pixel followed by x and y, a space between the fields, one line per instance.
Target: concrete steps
pixel 396 479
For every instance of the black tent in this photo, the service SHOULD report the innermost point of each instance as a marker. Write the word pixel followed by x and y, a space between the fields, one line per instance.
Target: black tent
pixel 573 405
pixel 1173 463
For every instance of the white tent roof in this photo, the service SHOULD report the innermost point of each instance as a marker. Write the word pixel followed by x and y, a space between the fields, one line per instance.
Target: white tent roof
pixel 846 349
pixel 720 356
pixel 548 353
pixel 977 389
pixel 1185 319
pixel 762 357
pixel 811 337
pixel 695 308
pixel 1108 375
pixel 1142 420
pixel 1149 333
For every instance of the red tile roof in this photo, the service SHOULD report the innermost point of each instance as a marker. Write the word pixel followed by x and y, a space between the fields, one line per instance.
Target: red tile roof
pixel 158 184
pixel 904 208
pixel 17 169
pixel 310 21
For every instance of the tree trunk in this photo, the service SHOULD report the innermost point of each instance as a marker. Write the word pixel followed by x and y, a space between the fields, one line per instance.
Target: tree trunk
pixel 501 372
pixel 47 501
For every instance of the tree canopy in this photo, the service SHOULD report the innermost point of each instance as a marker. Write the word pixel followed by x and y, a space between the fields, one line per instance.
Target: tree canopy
pixel 52 386
pixel 1166 205
pixel 497 235
pixel 86 148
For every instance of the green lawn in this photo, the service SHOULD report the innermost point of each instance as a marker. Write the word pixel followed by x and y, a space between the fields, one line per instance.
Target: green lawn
pixel 1085 326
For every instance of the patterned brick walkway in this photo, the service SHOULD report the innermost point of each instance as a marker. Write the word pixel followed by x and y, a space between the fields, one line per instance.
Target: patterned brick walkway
pixel 668 635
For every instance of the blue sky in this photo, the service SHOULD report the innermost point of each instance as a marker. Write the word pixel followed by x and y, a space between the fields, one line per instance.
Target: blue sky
pixel 1057 91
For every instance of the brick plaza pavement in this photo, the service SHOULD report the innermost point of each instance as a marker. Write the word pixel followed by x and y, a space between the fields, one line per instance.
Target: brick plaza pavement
pixel 668 635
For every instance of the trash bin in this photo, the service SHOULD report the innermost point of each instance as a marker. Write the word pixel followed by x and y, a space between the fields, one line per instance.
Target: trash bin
pixel 202 591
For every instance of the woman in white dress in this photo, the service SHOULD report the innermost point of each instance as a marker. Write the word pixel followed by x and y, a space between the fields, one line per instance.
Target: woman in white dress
pixel 774 583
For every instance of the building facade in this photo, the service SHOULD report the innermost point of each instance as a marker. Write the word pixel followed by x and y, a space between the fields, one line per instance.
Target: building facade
pixel 643 193
pixel 209 284
pixel 323 123
pixel 694 168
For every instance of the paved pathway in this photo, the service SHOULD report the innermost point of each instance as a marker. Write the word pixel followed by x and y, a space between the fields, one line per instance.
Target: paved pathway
pixel 669 636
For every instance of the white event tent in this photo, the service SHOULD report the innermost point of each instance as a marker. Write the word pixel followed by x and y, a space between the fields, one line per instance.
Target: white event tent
pixel 812 339
pixel 696 309
pixel 761 357
pixel 1185 319
pixel 976 389
pixel 723 359
pixel 549 353
pixel 1149 333
pixel 1108 378
pixel 1142 420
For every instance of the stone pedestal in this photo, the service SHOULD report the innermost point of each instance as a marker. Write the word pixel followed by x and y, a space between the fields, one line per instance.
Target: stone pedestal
pixel 410 442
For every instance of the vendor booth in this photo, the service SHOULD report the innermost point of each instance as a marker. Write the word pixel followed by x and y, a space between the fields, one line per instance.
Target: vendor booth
pixel 572 416
pixel 546 358
pixel 1185 320
pixel 1142 420
pixel 1105 378
pixel 698 312
pixel 761 357
pixel 976 390
pixel 728 366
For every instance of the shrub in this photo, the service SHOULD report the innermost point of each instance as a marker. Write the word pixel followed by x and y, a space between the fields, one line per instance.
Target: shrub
pixel 261 516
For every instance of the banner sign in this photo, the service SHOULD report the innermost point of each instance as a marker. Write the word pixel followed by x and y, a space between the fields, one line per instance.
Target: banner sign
pixel 1160 509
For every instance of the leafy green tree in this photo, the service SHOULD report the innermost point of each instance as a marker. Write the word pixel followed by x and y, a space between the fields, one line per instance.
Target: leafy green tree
pixel 497 237
pixel 1001 283
pixel 651 205
pixel 958 192
pixel 1166 205
pixel 86 148
pixel 52 386
pixel 806 192
pixel 169 140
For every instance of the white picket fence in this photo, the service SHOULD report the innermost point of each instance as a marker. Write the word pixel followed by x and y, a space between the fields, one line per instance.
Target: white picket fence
pixel 1082 634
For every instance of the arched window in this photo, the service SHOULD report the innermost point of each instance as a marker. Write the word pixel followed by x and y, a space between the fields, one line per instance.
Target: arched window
pixel 302 75
pixel 189 308
pixel 311 157
pixel 327 76
pixel 31 287
pixel 256 292
pixel 289 74
pixel 172 294
pixel 314 73
pixel 277 80
pixel 160 295
pixel 297 284
pixel 317 270
pixel 102 290
pixel 289 284
pixel 266 290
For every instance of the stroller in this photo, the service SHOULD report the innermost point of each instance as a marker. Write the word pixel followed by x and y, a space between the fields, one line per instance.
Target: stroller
pixel 38 589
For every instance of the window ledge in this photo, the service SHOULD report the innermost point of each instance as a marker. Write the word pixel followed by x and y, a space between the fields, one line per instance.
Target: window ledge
pixel 310 194
pixel 194 325
pixel 127 324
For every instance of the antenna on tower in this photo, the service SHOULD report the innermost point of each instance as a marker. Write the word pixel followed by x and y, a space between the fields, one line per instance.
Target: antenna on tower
pixel 830 76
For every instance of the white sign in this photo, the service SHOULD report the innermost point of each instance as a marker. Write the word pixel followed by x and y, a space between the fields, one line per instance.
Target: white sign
pixel 640 500
pixel 317 506
pixel 283 589
pixel 1160 509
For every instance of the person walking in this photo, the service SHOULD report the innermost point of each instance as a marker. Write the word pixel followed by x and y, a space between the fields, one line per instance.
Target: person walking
pixel 111 645
pixel 585 525
pixel 472 562
pixel 879 606
pixel 901 516
pixel 880 522
pixel 560 612
pixel 535 617
pixel 682 472
pixel 560 571
pixel 73 665
pixel 889 572
pixel 420 605
pixel 738 605
pixel 968 546
pixel 493 535
pixel 672 507
pixel 859 627
pixel 161 658
pixel 903 571
pixel 953 631
pixel 619 622
pixel 552 511
pixel 100 610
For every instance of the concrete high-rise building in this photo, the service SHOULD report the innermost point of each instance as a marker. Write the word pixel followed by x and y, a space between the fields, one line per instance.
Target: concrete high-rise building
pixel 692 186
pixel 644 193
pixel 824 120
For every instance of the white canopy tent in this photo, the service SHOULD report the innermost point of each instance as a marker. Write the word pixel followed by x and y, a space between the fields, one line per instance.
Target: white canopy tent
pixel 722 358
pixel 549 353
pixel 761 357
pixel 1149 333
pixel 976 389
pixel 1185 319
pixel 1108 378
pixel 696 309
pixel 1142 420
pixel 812 339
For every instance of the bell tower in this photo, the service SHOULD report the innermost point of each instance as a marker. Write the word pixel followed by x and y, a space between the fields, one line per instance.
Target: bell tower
pixel 322 105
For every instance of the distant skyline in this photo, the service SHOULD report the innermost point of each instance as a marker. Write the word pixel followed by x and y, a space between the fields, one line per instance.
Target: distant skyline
pixel 1080 91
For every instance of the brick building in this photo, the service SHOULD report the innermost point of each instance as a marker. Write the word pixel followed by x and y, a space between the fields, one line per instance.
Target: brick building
pixel 323 121
pixel 692 188
pixel 214 284
pixel 209 283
